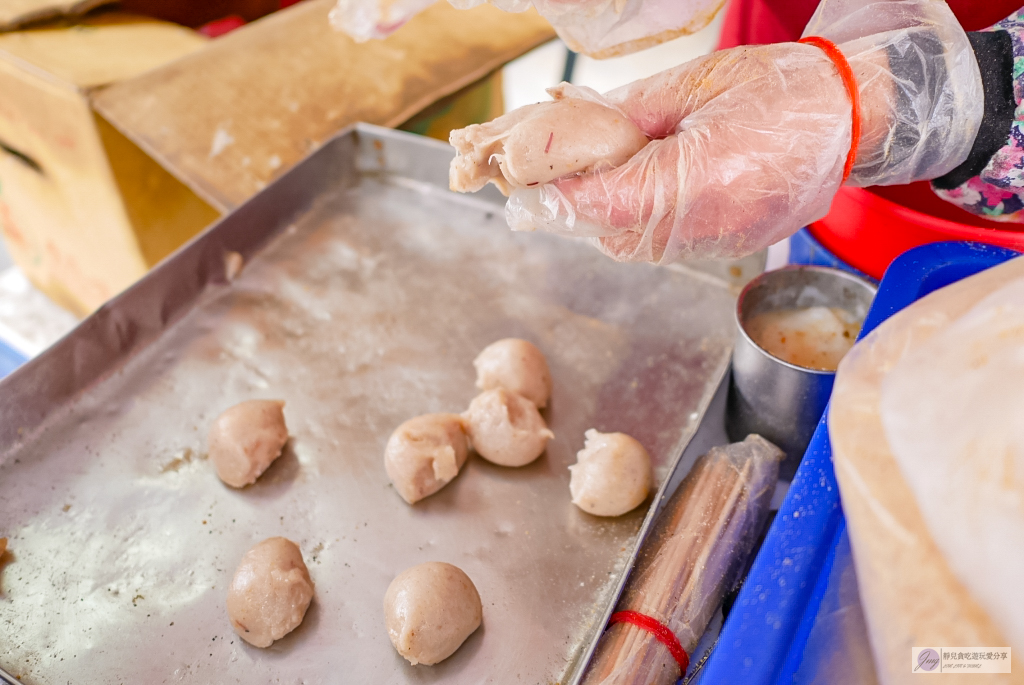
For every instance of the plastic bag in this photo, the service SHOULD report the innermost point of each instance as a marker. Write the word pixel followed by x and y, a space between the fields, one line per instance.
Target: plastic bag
pixel 599 28
pixel 693 556
pixel 911 590
pixel 750 143
pixel 953 411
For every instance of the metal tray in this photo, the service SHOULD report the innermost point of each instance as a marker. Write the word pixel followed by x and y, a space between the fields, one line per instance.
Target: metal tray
pixel 367 291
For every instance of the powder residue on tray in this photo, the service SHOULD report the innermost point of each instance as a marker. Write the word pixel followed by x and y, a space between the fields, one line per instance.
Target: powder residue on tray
pixel 814 337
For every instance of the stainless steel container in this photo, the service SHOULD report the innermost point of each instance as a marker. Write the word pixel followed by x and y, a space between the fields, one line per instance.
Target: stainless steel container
pixel 781 401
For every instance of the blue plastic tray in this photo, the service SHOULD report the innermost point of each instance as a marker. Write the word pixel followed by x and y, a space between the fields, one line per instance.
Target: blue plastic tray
pixel 763 640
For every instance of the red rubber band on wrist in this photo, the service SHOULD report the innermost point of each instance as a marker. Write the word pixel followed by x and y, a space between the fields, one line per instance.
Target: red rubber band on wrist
pixel 845 73
pixel 659 630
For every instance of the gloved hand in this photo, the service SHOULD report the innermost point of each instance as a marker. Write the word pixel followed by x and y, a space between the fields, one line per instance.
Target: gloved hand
pixel 751 142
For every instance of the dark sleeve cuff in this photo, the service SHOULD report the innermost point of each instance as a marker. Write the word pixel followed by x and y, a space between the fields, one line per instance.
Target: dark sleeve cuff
pixel 994 52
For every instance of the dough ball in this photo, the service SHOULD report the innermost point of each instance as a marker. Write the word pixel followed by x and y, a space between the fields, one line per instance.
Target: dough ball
pixel 270 592
pixel 542 142
pixel 425 453
pixel 612 474
pixel 506 428
pixel 246 439
pixel 430 610
pixel 515 365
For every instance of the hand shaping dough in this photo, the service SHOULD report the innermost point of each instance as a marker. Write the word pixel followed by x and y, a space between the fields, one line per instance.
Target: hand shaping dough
pixel 515 365
pixel 506 428
pixel 425 453
pixel 270 592
pixel 246 439
pixel 538 143
pixel 430 610
pixel 612 474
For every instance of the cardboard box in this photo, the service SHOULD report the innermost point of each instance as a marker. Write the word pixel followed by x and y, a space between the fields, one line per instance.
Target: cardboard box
pixel 123 137
pixel 231 118
pixel 83 212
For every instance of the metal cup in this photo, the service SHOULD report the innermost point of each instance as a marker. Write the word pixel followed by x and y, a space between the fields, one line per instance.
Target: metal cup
pixel 778 400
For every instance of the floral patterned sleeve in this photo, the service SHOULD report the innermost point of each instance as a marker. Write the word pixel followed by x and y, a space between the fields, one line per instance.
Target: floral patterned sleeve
pixel 991 182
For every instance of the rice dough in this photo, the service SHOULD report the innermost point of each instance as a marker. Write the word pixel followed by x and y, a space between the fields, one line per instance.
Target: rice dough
pixel 425 453
pixel 430 610
pixel 539 143
pixel 246 439
pixel 612 474
pixel 515 365
pixel 506 428
pixel 270 592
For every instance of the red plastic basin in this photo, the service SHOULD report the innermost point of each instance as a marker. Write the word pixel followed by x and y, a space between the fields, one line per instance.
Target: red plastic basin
pixel 867 229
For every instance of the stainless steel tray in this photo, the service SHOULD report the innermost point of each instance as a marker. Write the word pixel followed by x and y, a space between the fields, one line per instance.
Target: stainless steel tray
pixel 368 289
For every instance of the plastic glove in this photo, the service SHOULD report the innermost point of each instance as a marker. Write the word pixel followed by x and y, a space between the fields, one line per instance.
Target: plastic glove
pixel 608 28
pixel 752 140
pixel 599 28
pixel 367 19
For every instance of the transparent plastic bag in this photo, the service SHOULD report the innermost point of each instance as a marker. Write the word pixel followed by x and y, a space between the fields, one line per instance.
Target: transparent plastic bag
pixel 916 587
pixel 953 411
pixel 692 557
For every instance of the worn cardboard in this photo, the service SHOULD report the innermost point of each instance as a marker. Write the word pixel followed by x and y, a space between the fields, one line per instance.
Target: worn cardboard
pixel 122 137
pixel 83 212
pixel 17 13
pixel 229 119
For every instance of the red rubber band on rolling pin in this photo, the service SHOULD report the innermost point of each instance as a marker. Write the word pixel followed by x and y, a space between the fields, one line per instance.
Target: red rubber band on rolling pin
pixel 656 628
pixel 846 73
